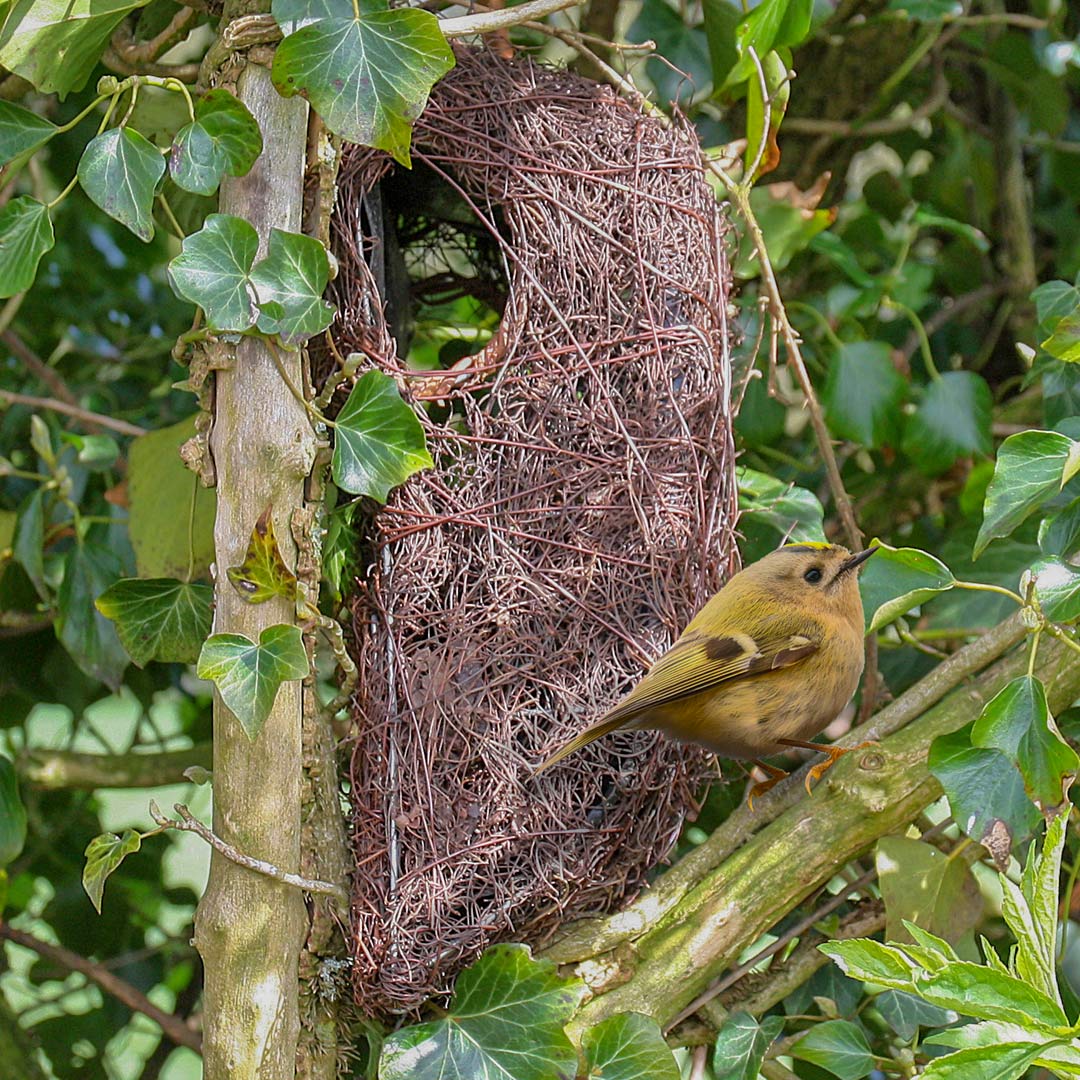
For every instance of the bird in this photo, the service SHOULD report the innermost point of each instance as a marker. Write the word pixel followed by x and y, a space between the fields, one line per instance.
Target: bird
pixel 767 663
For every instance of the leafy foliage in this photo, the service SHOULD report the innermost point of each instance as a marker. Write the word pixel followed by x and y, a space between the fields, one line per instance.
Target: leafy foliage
pixel 159 618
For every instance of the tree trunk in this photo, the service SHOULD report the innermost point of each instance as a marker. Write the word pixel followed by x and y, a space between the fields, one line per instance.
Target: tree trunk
pixel 249 928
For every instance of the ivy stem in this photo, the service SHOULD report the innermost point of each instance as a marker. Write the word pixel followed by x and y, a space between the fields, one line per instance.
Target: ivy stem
pixel 167 210
pixel 311 410
pixel 1056 632
pixel 982 586
pixel 809 309
pixel 1034 652
pixel 920 332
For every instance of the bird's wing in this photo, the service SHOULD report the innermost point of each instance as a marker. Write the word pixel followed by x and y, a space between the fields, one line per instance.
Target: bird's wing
pixel 699 661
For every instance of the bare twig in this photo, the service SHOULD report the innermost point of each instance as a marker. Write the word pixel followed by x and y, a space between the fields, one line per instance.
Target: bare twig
pixel 36 366
pixel 171 1025
pixel 486 22
pixel 86 416
pixel 188 823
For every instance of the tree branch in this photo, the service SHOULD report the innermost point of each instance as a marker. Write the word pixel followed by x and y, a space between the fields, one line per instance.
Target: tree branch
pixel 53 769
pixel 172 1026
pixel 484 22
pixel 85 416
pixel 49 376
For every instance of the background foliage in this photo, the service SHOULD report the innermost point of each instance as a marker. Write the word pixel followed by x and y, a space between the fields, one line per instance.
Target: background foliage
pixel 917 187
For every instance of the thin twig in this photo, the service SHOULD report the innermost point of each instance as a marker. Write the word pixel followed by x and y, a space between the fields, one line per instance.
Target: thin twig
pixel 171 1025
pixel 485 22
pixel 85 416
pixel 49 376
pixel 189 823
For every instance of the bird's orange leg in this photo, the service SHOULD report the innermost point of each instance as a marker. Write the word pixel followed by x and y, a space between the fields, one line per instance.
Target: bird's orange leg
pixel 833 755
pixel 774 774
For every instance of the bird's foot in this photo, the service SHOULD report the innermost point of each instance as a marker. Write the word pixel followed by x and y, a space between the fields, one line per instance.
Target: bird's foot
pixel 832 755
pixel 774 775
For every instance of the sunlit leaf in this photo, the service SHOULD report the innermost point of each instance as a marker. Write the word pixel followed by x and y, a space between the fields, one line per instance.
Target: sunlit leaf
pixel 772 24
pixel 26 233
pixel 838 1046
pixel 764 113
pixel 896 580
pixel 159 618
pixel 263 573
pixel 628 1046
pixel 378 440
pixel 1006 1061
pixel 506 1020
pixel 103 855
pixel 119 171
pixel 248 675
pixel 794 512
pixel 224 138
pixel 1057 588
pixel 367 74
pixel 290 282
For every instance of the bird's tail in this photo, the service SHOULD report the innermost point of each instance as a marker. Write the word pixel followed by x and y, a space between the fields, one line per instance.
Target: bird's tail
pixel 590 734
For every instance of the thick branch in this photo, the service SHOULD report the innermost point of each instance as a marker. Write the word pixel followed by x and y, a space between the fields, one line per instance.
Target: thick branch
pixel 173 1026
pixel 53 769
pixel 868 795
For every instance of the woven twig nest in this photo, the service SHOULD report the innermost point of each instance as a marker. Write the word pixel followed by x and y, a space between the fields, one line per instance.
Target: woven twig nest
pixel 581 510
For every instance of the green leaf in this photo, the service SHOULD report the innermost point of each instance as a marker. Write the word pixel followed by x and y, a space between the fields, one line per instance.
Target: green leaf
pixel 838 1046
pixel 921 885
pixel 369 75
pixel 793 511
pixel 741 1045
pixel 927 10
pixel 55 44
pixel 992 1033
pixel 88 636
pixel 896 580
pixel 628 1046
pixel 213 270
pixel 952 421
pixel 26 233
pixel 1054 300
pixel 103 855
pixel 1064 343
pixel 1006 1061
pixel 765 108
pixel 170 514
pixel 974 990
pixel 28 544
pixel 1057 588
pixel 986 793
pixel 1017 722
pixel 871 961
pixel 772 24
pixel 787 225
pixel 159 618
pixel 863 394
pixel 378 440
pixel 905 1013
pixel 263 573
pixel 224 138
pixel 290 282
pixel 248 675
pixel 506 1020
pixel 12 815
pixel 1031 467
pixel 119 171
pixel 720 20
pixel 21 131
pixel 1059 533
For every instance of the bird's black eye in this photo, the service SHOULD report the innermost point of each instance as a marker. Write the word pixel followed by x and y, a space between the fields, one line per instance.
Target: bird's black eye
pixel 813 575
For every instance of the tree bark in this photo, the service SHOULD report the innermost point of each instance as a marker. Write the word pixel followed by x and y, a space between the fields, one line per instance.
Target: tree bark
pixel 249 928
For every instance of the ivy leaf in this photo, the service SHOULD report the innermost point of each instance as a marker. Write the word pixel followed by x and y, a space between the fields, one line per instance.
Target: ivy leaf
pixel 12 815
pixel 506 1020
pixel 1005 1061
pixel 1059 534
pixel 863 394
pixel 26 233
pixel 290 282
pixel 159 618
pixel 952 421
pixel 88 636
pixel 1017 722
pixel 56 44
pixel 629 1046
pixel 741 1045
pixel 986 793
pixel 1057 587
pixel 920 885
pixel 223 138
pixel 793 511
pixel 21 131
pixel 248 675
pixel 905 1013
pixel 378 440
pixel 263 573
pixel 28 543
pixel 213 270
pixel 161 492
pixel 1031 467
pixel 1054 300
pixel 838 1046
pixel 896 580
pixel 103 855
pixel 119 171
pixel 368 75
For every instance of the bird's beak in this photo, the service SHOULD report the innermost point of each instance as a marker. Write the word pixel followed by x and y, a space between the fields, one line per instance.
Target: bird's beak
pixel 855 561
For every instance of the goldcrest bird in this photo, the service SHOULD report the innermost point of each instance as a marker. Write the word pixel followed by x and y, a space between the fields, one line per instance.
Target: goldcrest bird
pixel 766 664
